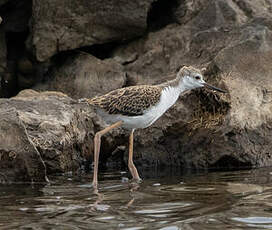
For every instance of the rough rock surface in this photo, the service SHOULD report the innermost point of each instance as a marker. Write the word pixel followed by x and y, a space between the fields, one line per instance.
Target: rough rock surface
pixel 19 159
pixel 202 130
pixel 230 131
pixel 203 29
pixel 83 75
pixel 43 132
pixel 59 25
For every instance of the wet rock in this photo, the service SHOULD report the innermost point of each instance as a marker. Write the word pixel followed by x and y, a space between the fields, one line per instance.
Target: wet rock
pixel 19 158
pixel 59 26
pixel 59 129
pixel 83 75
pixel 43 132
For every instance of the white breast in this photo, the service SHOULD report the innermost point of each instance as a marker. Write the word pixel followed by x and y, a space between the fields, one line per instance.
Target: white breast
pixel 168 97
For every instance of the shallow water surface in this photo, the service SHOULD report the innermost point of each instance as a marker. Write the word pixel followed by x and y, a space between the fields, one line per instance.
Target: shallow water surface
pixel 218 200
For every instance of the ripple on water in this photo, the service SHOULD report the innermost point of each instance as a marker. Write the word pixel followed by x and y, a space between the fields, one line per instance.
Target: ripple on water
pixel 230 200
pixel 255 221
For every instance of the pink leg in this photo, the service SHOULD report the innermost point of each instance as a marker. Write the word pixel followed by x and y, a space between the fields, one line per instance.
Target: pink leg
pixel 97 143
pixel 131 165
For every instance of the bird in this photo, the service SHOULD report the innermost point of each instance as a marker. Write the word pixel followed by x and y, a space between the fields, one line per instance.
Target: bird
pixel 138 107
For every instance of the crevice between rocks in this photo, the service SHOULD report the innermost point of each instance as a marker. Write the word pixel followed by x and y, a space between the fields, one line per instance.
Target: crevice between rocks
pixel 243 6
pixel 161 13
pixel 18 73
pixel 100 51
pixel 227 162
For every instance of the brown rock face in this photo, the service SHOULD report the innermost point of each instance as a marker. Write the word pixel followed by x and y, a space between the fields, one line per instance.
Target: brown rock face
pixel 42 131
pixel 65 25
pixel 83 75
pixel 209 130
pixel 19 158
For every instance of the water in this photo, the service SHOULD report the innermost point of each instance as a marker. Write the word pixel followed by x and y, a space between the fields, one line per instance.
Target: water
pixel 168 201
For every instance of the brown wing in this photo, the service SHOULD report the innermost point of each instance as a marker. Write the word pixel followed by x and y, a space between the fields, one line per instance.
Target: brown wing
pixel 130 101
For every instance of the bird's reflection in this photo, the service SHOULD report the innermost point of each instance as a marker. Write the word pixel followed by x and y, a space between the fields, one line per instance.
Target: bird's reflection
pixel 133 187
pixel 100 197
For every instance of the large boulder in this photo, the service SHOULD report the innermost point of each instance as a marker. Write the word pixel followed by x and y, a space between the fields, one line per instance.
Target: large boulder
pixel 65 25
pixel 19 158
pixel 203 28
pixel 209 130
pixel 204 129
pixel 83 75
pixel 43 132
pixel 47 133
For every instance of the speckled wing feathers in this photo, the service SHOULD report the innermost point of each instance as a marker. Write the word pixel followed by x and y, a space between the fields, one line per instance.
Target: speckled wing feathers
pixel 129 101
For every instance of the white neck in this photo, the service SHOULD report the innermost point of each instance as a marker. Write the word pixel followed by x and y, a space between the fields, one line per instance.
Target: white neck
pixel 181 87
pixel 170 95
pixel 178 84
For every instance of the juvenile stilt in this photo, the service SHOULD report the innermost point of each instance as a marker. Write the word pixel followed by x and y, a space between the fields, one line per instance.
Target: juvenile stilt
pixel 97 143
pixel 131 166
pixel 138 107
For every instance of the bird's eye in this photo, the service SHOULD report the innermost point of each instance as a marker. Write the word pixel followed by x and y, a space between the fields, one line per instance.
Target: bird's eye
pixel 197 77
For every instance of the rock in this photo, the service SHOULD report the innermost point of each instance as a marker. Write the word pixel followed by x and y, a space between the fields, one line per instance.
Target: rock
pixel 58 128
pixel 83 75
pixel 232 39
pixel 59 26
pixel 25 66
pixel 26 76
pixel 203 29
pixel 43 132
pixel 19 158
pixel 208 130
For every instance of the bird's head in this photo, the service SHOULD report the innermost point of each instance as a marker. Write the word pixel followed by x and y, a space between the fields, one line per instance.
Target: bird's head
pixel 191 78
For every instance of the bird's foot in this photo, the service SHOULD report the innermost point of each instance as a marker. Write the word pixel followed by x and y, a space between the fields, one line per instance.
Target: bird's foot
pixel 137 180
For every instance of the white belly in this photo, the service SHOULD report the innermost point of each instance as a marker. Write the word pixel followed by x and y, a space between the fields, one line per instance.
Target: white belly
pixel 168 98
pixel 130 122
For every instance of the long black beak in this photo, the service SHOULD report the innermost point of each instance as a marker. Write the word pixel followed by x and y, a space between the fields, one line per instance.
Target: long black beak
pixel 214 88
